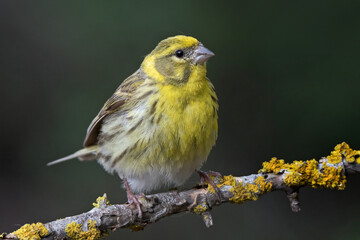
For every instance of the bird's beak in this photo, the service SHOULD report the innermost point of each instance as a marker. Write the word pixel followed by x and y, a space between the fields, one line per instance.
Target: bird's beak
pixel 201 54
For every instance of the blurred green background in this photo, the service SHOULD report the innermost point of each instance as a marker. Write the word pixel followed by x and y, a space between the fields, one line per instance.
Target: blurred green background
pixel 287 74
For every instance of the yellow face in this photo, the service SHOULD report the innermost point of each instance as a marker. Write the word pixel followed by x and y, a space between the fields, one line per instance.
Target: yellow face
pixel 174 59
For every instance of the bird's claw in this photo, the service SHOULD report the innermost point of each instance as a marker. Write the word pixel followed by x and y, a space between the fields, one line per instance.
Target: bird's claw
pixel 205 178
pixel 134 199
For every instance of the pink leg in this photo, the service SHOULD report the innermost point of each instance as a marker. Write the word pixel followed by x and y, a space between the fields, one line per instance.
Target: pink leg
pixel 132 198
pixel 205 178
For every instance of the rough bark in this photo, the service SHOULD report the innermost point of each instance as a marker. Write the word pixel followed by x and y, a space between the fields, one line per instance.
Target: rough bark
pixel 202 199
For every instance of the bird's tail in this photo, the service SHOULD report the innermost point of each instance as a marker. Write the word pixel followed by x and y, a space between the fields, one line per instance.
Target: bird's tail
pixel 84 154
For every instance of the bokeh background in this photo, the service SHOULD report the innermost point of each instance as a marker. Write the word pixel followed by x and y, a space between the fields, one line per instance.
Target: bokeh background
pixel 287 74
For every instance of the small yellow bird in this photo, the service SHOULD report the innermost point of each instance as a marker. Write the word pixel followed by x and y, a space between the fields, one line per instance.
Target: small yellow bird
pixel 160 124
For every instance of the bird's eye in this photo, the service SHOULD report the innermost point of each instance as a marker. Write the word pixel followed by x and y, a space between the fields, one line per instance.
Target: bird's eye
pixel 179 53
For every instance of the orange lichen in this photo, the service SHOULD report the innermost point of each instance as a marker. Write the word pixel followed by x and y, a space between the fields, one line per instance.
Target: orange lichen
pixel 33 231
pixel 74 231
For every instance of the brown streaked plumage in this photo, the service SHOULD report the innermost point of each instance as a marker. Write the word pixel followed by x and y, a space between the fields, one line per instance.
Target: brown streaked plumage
pixel 161 122
pixel 121 95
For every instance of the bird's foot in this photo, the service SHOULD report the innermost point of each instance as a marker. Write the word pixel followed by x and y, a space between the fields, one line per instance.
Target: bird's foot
pixel 134 199
pixel 205 178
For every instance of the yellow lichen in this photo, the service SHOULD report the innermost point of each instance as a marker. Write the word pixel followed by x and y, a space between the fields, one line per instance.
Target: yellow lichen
pixel 228 180
pixel 222 182
pixel 263 185
pixel 225 180
pixel 307 172
pixel 101 201
pixel 245 191
pixel 332 178
pixel 343 150
pixel 201 208
pixel 74 231
pixel 33 231
pixel 250 191
pixel 329 173
pixel 274 165
pixel 211 189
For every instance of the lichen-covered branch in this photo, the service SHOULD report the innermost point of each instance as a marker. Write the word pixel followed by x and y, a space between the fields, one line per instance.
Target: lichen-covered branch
pixel 276 175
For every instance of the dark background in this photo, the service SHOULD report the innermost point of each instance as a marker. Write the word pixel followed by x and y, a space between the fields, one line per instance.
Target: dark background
pixel 286 74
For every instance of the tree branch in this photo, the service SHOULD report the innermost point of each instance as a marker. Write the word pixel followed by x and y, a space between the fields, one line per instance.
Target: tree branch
pixel 276 175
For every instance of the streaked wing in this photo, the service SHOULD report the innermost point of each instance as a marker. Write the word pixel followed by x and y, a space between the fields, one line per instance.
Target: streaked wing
pixel 115 102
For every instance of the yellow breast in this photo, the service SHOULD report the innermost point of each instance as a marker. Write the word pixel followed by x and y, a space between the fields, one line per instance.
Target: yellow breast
pixel 188 116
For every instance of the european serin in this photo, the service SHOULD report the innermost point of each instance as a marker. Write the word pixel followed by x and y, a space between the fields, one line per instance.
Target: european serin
pixel 161 123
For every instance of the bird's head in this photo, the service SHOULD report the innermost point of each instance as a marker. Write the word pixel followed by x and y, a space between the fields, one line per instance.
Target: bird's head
pixel 174 60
